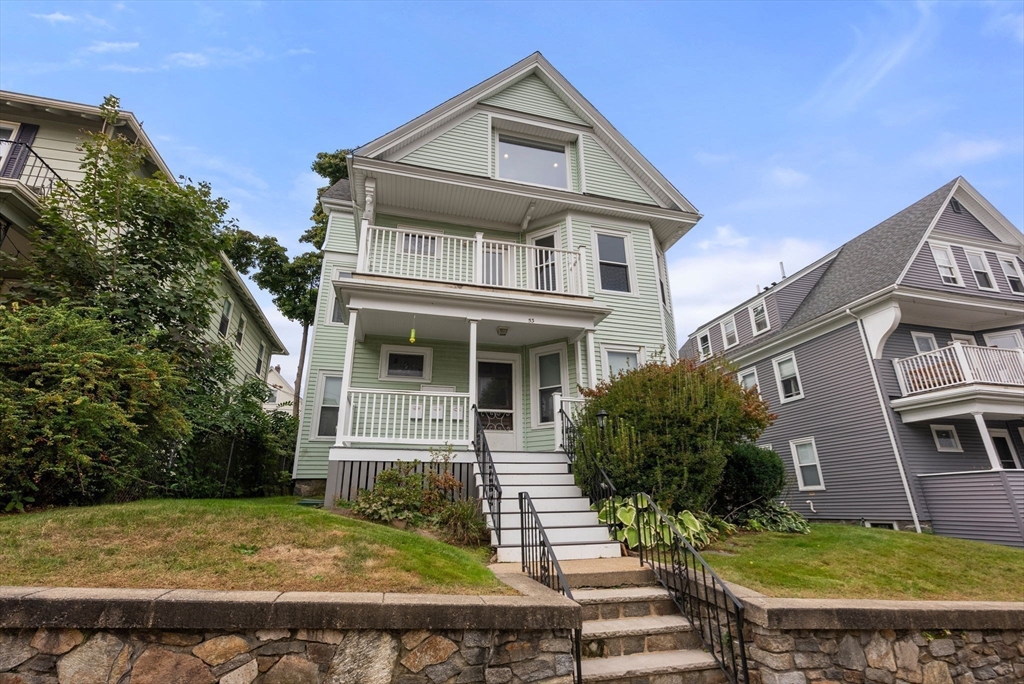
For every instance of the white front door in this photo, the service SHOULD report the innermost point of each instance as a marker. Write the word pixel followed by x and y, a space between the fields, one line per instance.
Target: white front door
pixel 498 401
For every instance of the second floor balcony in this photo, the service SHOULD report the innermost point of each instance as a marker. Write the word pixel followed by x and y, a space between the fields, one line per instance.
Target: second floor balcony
pixel 960 364
pixel 24 170
pixel 437 257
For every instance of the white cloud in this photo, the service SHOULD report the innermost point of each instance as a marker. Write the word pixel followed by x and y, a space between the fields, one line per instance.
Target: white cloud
pixel 126 68
pixel 212 57
pixel 298 51
pixel 951 152
pixel 103 47
pixel 187 59
pixel 54 17
pixel 1006 21
pixel 784 177
pixel 707 283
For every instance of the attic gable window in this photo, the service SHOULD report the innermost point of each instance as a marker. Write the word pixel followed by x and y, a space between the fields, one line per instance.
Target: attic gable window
pixel 982 275
pixel 947 267
pixel 532 161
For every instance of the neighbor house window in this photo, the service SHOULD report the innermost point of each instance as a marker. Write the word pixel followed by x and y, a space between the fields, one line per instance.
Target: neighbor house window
pixel 613 262
pixel 788 378
pixel 330 405
pixel 748 378
pixel 619 360
pixel 947 267
pixel 240 331
pixel 759 317
pixel 259 360
pixel 225 318
pixel 532 161
pixel 946 438
pixel 808 468
pixel 704 344
pixel 982 274
pixel 1011 269
pixel 924 342
pixel 1007 339
pixel 729 332
pixel 547 378
pixel 405 363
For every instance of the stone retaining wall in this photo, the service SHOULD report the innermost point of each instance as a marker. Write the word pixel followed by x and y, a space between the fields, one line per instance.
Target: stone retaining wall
pixel 123 636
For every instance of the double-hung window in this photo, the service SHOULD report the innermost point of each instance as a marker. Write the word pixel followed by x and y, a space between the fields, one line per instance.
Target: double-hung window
pixel 259 360
pixel 412 364
pixel 1011 269
pixel 759 317
pixel 532 161
pixel 622 360
pixel 788 378
pixel 225 318
pixel 704 345
pixel 548 378
pixel 748 378
pixel 613 262
pixel 330 406
pixel 808 468
pixel 948 271
pixel 729 332
pixel 982 273
pixel 240 331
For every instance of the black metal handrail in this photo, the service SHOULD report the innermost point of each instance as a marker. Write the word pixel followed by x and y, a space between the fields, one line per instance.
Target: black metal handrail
pixel 699 593
pixel 598 486
pixel 21 163
pixel 488 473
pixel 570 437
pixel 541 565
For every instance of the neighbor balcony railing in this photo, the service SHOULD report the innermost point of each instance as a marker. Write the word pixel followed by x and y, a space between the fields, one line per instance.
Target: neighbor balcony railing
pixel 399 417
pixel 20 162
pixel 960 364
pixel 475 261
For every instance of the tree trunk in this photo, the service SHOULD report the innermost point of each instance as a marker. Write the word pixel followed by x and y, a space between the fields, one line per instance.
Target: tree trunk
pixel 298 373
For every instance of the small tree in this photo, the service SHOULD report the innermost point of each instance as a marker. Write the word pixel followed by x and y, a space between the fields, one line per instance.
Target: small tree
pixel 672 425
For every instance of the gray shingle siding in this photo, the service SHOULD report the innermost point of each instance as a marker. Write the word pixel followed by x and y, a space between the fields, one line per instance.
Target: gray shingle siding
pixel 840 409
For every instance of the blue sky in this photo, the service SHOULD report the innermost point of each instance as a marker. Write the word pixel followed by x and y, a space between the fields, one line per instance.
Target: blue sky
pixel 791 126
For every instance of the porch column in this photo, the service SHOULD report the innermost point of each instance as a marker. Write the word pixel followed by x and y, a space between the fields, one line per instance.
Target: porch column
pixel 346 377
pixel 472 362
pixel 591 361
pixel 990 447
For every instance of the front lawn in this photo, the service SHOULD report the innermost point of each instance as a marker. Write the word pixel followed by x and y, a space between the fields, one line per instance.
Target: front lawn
pixel 248 544
pixel 845 561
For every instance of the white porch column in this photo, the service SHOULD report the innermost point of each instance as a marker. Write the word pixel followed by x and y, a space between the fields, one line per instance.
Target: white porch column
pixel 478 259
pixel 346 377
pixel 591 361
pixel 472 362
pixel 990 447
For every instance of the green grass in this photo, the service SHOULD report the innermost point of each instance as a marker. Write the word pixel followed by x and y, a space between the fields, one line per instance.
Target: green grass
pixel 845 561
pixel 246 544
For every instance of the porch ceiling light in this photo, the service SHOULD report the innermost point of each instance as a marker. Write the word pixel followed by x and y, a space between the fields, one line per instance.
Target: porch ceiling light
pixel 502 330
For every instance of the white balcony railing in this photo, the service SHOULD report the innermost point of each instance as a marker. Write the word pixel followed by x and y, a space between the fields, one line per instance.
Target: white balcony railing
pixel 960 364
pixel 451 259
pixel 397 417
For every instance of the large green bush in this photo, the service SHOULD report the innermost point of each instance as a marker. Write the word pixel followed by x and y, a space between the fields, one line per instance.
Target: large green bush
pixel 752 476
pixel 670 429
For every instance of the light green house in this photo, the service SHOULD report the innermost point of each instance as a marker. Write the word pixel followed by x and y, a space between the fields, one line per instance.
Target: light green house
pixel 501 251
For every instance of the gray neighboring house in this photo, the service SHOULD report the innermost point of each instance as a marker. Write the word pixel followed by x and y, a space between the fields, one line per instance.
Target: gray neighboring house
pixel 895 365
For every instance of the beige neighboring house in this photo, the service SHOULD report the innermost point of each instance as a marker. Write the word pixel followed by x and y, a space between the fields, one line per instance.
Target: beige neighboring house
pixel 283 396
pixel 40 148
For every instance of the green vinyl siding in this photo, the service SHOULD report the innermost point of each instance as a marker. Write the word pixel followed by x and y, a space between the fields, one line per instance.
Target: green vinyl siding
pixel 245 355
pixel 606 177
pixel 533 96
pixel 462 149
pixel 341 233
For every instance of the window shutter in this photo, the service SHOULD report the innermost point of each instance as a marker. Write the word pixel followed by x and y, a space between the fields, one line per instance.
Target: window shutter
pixel 15 162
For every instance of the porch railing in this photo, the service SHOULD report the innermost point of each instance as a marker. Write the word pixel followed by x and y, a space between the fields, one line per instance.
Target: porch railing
pixel 399 417
pixel 21 163
pixel 434 256
pixel 541 565
pixel 960 364
pixel 488 473
pixel 566 408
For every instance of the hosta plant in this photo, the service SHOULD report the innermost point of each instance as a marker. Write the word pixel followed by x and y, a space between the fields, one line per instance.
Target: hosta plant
pixel 632 526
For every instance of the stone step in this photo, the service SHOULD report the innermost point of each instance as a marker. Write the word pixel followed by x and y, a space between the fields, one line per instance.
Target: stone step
pixel 681 667
pixel 624 602
pixel 564 552
pixel 623 571
pixel 647 634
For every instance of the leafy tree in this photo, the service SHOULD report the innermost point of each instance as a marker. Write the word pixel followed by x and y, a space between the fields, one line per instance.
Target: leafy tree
pixel 334 167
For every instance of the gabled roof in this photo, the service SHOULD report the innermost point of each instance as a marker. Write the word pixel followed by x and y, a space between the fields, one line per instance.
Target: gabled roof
pixel 534 65
pixel 339 192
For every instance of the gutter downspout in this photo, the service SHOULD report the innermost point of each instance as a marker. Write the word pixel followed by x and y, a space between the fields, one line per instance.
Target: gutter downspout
pixel 885 416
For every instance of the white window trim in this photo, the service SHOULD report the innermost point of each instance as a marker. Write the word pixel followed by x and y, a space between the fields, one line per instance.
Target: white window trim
pixel 735 330
pixel 630 259
pixel 767 446
pixel 332 297
pixel 230 305
pixel 640 351
pixel 958 449
pixel 1002 259
pixel 321 377
pixel 1015 333
pixel 262 364
pixel 526 136
pixel 778 378
pixel 428 363
pixel 748 371
pixel 535 354
pixel 240 328
pixel 701 356
pixel 967 338
pixel 1003 432
pixel 796 464
pixel 987 269
pixel 952 259
pixel 753 326
pixel 895 525
pixel 14 136
pixel 915 334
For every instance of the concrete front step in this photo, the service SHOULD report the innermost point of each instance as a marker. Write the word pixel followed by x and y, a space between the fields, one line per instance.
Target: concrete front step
pixel 508 553
pixel 529 457
pixel 624 602
pixel 511 536
pixel 553 518
pixel 530 468
pixel 548 504
pixel 665 667
pixel 514 480
pixel 624 571
pixel 647 634
pixel 510 491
